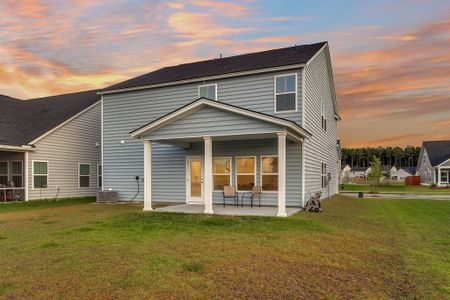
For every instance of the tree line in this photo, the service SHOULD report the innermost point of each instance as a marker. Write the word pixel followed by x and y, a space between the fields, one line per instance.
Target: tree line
pixel 389 156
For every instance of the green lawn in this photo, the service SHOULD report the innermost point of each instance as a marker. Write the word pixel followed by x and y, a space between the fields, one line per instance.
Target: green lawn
pixel 356 248
pixel 394 188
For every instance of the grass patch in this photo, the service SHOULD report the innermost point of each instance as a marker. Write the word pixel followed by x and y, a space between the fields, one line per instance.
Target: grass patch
pixel 49 245
pixel 393 188
pixel 36 204
pixel 355 248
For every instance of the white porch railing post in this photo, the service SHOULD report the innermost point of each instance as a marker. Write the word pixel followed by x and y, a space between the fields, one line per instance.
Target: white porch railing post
pixel 281 174
pixel 208 178
pixel 147 175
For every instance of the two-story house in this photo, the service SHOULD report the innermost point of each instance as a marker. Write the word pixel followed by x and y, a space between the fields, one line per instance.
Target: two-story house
pixel 433 166
pixel 182 133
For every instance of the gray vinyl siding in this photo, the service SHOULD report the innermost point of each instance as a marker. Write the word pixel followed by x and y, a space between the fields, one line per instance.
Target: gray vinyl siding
pixel 424 168
pixel 210 121
pixel 73 143
pixel 321 147
pixel 125 112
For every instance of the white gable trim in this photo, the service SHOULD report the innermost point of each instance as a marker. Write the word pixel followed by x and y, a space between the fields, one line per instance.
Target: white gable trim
pixel 197 105
pixel 63 123
pixel 444 162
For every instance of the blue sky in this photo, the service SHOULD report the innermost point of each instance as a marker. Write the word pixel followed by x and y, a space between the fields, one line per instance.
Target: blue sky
pixel 390 58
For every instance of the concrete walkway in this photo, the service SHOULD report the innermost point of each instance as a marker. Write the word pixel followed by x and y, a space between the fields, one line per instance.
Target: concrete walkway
pixel 399 196
pixel 228 210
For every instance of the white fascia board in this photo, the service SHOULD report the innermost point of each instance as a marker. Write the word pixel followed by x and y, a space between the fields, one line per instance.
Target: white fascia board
pixel 22 148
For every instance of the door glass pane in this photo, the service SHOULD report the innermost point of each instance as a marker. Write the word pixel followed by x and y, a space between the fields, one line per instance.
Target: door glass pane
pixel 196 178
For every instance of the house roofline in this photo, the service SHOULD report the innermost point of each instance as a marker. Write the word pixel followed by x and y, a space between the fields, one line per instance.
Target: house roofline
pixel 205 78
pixel 22 148
pixel 63 123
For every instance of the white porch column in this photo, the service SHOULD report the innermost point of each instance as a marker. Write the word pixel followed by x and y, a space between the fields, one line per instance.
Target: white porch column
pixel 208 177
pixel 281 174
pixel 147 175
pixel 303 173
pixel 26 175
pixel 439 177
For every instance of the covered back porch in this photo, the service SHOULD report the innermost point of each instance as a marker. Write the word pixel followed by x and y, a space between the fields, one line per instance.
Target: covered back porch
pixel 13 173
pixel 227 146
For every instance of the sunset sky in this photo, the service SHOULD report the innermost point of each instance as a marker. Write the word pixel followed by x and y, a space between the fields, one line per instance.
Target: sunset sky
pixel 391 59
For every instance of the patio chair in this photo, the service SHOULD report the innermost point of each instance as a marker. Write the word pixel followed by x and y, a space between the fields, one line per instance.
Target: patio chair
pixel 255 193
pixel 229 191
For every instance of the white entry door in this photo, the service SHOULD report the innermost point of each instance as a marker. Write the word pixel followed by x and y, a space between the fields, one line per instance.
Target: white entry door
pixel 194 182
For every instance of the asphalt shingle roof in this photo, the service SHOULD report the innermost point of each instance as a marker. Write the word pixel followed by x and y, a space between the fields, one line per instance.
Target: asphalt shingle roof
pixel 22 121
pixel 438 151
pixel 239 63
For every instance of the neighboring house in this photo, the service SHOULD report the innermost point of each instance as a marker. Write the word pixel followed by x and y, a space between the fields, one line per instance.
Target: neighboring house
pixel 50 147
pixel 433 166
pixel 183 132
pixel 402 173
pixel 359 172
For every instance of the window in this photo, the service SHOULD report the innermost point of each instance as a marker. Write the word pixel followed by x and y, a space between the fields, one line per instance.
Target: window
pixel 324 175
pixel 99 176
pixel 84 175
pixel 269 173
pixel 444 176
pixel 208 91
pixel 245 173
pixel 221 172
pixel 324 120
pixel 4 174
pixel 16 173
pixel 286 93
pixel 40 174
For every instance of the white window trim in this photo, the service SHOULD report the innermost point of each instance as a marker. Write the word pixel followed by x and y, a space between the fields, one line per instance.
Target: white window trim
pixel 32 173
pixel 275 93
pixel 7 170
pixel 206 85
pixel 231 170
pixel 98 176
pixel 21 171
pixel 236 173
pixel 261 174
pixel 90 185
pixel 448 175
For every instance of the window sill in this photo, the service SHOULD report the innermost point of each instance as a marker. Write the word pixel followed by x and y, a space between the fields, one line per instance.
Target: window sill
pixel 285 111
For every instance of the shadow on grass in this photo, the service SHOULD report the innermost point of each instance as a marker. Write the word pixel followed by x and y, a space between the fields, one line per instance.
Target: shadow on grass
pixel 36 204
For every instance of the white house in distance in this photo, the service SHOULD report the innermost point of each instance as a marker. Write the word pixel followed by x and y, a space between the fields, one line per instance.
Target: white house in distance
pixel 402 173
pixel 359 172
pixel 434 163
pixel 50 147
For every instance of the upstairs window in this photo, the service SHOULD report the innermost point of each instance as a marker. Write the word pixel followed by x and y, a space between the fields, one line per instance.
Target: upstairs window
pixel 286 93
pixel 208 91
pixel 84 175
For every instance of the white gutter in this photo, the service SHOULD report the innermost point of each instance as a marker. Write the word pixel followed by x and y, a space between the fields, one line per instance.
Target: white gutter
pixel 16 148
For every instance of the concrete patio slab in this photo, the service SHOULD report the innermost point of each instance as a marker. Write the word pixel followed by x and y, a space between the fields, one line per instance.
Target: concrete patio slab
pixel 228 210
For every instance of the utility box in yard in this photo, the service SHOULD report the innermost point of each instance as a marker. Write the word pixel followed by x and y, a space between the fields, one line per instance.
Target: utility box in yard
pixel 106 196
